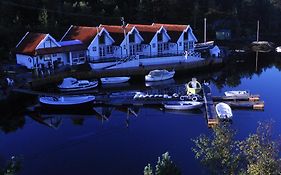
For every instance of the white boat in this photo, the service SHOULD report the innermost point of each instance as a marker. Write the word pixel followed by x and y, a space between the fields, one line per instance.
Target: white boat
pixel 67 101
pixel 112 80
pixel 72 84
pixel 193 86
pixel 183 105
pixel 236 93
pixel 159 75
pixel 278 49
pixel 224 111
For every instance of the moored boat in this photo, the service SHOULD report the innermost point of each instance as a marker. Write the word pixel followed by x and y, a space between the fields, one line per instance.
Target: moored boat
pixel 183 105
pixel 67 101
pixel 193 87
pixel 223 111
pixel 72 84
pixel 113 80
pixel 236 93
pixel 159 75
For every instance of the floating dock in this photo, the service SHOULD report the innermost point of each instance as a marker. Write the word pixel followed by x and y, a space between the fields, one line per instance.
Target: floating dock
pixel 211 115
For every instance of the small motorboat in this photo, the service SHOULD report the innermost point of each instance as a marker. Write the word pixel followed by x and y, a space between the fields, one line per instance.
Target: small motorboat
pixel 236 93
pixel 278 49
pixel 193 87
pixel 183 105
pixel 72 84
pixel 224 111
pixel 113 80
pixel 159 75
pixel 67 101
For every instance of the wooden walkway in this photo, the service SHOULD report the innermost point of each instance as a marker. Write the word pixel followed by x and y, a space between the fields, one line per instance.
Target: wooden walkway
pixel 211 115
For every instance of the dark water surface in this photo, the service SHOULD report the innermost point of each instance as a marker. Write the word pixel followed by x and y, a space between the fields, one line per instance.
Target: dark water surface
pixel 87 144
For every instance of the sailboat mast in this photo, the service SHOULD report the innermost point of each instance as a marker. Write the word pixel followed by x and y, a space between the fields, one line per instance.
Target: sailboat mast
pixel 258 30
pixel 123 26
pixel 205 30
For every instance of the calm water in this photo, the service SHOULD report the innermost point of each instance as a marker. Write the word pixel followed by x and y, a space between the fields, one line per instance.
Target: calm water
pixel 86 144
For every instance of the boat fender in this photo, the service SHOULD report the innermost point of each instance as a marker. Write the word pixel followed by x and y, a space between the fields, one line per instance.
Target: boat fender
pixel 194 98
pixel 183 97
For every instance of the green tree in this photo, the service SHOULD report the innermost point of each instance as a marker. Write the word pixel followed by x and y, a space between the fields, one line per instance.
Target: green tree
pixel 165 166
pixel 256 155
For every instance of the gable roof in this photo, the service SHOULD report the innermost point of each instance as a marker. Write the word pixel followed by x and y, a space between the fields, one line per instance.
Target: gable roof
pixel 174 30
pixel 147 31
pixel 82 33
pixel 29 42
pixel 117 32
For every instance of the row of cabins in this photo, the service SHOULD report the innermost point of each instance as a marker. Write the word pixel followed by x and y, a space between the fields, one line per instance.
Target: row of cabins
pixel 104 43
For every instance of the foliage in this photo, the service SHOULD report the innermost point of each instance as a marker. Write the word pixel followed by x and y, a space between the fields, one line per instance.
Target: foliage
pixel 55 16
pixel 221 154
pixel 13 166
pixel 164 166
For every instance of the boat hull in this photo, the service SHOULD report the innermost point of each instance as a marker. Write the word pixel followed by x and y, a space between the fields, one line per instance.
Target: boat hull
pixel 183 105
pixel 91 85
pixel 223 111
pixel 167 76
pixel 68 103
pixel 114 80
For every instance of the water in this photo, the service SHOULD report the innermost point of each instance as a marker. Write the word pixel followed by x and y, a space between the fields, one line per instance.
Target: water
pixel 87 144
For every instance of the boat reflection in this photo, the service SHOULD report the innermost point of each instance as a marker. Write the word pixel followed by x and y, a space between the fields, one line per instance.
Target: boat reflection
pixel 160 83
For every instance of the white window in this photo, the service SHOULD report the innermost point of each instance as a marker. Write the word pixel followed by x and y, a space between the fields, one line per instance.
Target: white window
pixel 47 58
pixel 54 55
pixel 138 48
pixel 153 45
pixel 95 48
pixel 180 43
pixel 109 49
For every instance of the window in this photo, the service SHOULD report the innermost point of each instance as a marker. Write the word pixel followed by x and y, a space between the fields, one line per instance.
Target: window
pixel 166 46
pixel 109 49
pixel 47 58
pixel 102 39
pixel 138 48
pixel 159 37
pixel 54 55
pixel 132 38
pixel 180 43
pixel 94 48
pixel 153 45
pixel 102 51
pixel 185 36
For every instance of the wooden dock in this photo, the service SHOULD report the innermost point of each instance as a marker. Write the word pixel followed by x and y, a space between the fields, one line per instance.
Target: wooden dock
pixel 211 115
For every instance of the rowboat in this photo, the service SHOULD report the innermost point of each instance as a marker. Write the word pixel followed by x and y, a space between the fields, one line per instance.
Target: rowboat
pixel 236 93
pixel 193 87
pixel 223 111
pixel 72 84
pixel 113 80
pixel 159 75
pixel 183 105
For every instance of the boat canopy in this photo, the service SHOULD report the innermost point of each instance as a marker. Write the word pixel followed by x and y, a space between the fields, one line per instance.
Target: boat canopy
pixel 68 82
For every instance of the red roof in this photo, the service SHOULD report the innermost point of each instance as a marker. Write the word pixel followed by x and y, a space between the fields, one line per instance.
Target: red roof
pixel 144 27
pixel 29 42
pixel 115 29
pixel 172 27
pixel 82 33
pixel 52 50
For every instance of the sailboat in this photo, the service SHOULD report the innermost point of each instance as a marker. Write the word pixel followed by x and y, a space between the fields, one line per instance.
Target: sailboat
pixel 261 46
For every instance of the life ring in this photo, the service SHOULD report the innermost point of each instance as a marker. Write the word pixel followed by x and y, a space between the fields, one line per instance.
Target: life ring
pixel 194 98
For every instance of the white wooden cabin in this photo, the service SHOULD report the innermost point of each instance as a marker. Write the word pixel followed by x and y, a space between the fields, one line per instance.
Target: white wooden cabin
pixel 127 41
